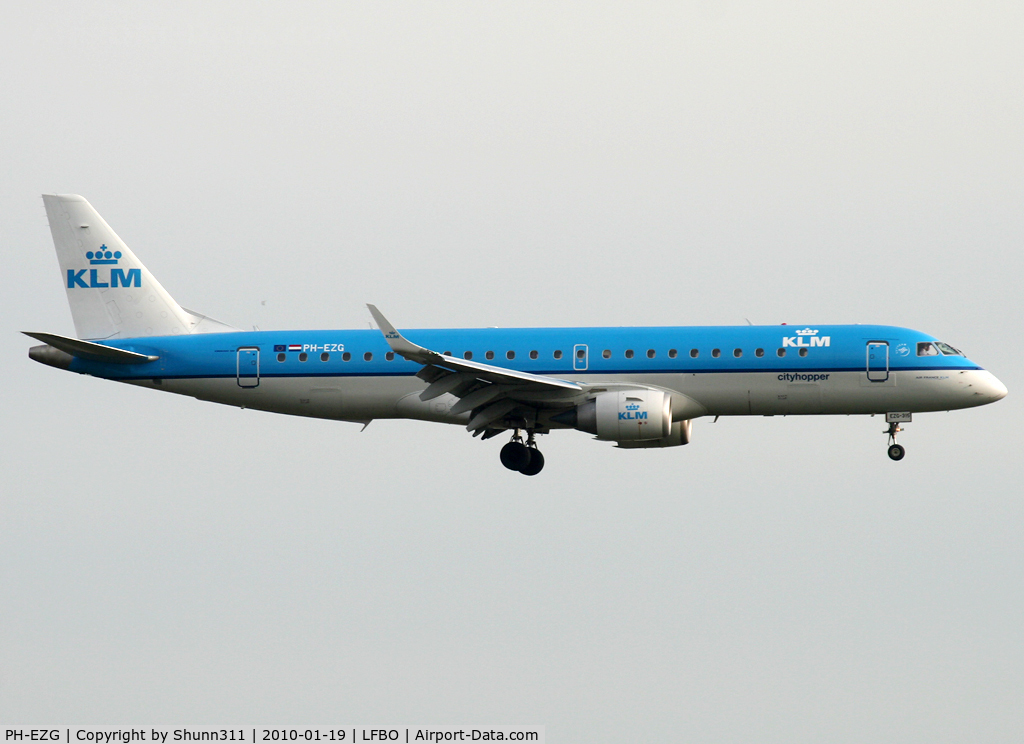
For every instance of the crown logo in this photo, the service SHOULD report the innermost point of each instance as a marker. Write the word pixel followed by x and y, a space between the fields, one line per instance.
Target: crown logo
pixel 807 332
pixel 103 256
pixel 633 407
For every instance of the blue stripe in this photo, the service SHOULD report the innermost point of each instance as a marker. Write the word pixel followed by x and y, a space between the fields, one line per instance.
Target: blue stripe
pixel 213 355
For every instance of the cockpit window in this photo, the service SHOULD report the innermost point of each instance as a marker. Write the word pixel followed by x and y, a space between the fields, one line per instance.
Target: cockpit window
pixel 948 350
pixel 927 349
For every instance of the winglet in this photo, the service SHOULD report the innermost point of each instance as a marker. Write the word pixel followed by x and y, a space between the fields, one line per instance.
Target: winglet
pixel 398 343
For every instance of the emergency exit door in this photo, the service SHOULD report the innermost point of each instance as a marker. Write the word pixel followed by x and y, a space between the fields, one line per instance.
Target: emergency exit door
pixel 579 357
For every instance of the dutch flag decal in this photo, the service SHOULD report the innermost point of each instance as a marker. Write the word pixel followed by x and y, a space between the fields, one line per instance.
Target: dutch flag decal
pixel 294 347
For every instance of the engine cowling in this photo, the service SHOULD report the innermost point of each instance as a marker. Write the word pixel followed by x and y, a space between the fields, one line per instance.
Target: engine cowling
pixel 680 435
pixel 627 415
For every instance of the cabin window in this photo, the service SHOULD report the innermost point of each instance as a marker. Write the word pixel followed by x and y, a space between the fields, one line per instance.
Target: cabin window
pixel 802 352
pixel 759 352
pixel 926 349
pixel 489 355
pixel 673 353
pixel 467 355
pixel 781 352
pixel 694 353
pixel 737 353
pixel 390 356
pixel 948 350
pixel 324 357
pixel 557 354
pixel 716 353
pixel 607 353
pixel 303 356
pixel 346 356
pixel 510 355
pixel 629 353
pixel 533 354
pixel 280 357
pixel 446 353
pixel 368 356
pixel 650 353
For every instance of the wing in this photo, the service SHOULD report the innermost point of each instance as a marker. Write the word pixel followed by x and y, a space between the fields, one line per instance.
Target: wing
pixel 494 395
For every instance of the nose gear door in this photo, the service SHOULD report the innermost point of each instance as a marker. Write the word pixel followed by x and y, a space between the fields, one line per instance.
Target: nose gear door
pixel 878 361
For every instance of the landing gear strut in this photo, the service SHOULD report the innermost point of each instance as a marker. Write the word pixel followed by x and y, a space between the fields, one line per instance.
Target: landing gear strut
pixel 896 451
pixel 524 457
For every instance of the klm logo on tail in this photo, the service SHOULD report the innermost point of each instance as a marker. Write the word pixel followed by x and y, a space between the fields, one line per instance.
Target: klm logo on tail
pixel 115 278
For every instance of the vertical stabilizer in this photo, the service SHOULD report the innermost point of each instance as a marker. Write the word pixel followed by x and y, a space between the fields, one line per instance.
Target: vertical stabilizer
pixel 112 295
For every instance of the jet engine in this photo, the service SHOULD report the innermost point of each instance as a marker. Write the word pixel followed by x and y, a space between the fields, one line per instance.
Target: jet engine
pixel 627 415
pixel 680 435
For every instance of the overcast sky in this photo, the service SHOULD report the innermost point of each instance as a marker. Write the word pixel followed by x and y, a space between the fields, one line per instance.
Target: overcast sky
pixel 166 561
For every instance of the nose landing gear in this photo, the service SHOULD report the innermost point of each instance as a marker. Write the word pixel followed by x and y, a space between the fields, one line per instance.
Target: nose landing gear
pixel 523 457
pixel 896 451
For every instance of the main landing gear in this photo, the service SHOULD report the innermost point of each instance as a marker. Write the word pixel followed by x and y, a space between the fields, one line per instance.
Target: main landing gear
pixel 896 451
pixel 524 457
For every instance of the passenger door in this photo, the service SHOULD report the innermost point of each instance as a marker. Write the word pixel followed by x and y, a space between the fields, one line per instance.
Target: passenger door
pixel 248 368
pixel 878 361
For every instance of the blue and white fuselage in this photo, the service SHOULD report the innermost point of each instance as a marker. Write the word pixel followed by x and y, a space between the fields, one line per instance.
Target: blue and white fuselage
pixel 638 387
pixel 353 375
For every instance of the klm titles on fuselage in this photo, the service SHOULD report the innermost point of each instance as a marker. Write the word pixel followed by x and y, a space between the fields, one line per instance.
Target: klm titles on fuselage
pixel 115 277
pixel 801 339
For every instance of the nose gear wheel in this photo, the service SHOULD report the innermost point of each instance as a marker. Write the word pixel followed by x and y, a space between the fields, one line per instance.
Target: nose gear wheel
pixel 896 451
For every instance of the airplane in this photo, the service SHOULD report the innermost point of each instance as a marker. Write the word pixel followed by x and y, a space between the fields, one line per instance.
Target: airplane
pixel 637 387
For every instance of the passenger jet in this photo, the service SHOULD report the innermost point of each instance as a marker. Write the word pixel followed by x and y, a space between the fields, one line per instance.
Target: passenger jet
pixel 636 387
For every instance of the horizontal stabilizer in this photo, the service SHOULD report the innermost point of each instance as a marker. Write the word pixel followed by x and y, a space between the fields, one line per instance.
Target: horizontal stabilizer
pixel 90 351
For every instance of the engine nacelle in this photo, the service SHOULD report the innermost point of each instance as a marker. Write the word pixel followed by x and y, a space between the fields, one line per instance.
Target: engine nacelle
pixel 627 415
pixel 680 435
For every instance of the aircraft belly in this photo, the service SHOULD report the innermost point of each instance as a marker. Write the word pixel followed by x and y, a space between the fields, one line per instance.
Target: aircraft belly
pixel 836 393
pixel 348 398
pixel 788 393
pixel 716 394
pixel 437 409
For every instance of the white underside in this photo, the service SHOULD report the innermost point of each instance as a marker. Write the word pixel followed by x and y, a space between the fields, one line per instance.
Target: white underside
pixel 706 394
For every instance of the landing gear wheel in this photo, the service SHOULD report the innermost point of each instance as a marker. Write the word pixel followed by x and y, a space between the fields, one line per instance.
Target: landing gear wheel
pixel 896 451
pixel 535 465
pixel 515 455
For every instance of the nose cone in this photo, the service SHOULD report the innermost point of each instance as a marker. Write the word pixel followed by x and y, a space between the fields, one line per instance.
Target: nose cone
pixel 988 387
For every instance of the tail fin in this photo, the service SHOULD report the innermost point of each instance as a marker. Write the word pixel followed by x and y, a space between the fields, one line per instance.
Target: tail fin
pixel 111 293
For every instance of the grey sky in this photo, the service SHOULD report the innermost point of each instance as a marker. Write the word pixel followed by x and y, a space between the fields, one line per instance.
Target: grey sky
pixel 168 561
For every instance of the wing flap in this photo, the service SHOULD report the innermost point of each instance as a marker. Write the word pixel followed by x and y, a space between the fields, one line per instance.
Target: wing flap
pixel 445 384
pixel 479 397
pixel 491 413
